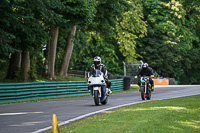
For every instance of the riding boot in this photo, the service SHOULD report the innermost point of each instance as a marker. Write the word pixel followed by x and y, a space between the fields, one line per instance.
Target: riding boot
pixel 152 87
pixel 109 91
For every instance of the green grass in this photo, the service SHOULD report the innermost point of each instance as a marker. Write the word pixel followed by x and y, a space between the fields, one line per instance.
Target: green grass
pixel 179 115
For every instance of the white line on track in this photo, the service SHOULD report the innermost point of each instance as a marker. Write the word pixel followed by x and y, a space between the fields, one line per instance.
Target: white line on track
pixel 86 115
pixel 20 113
pixel 115 107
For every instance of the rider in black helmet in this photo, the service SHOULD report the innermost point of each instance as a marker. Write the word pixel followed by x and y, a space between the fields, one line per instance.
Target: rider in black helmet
pixel 98 65
pixel 147 71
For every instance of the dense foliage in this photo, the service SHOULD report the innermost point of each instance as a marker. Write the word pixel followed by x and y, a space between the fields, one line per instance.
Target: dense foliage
pixel 165 34
pixel 171 46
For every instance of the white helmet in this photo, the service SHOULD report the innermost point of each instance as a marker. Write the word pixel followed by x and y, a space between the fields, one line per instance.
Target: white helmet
pixel 97 60
pixel 145 65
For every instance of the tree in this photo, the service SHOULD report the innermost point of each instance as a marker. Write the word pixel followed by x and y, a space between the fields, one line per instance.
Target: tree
pixel 25 65
pixel 169 39
pixel 27 21
pixel 190 54
pixel 159 48
pixel 52 46
pixel 129 28
pixel 16 22
pixel 68 52
pixel 100 36
pixel 54 20
pixel 103 36
pixel 79 13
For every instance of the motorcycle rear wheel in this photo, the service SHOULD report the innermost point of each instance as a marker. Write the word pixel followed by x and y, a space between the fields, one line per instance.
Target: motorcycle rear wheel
pixel 96 97
pixel 142 90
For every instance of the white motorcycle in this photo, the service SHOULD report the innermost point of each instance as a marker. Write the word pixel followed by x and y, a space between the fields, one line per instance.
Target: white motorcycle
pixel 98 88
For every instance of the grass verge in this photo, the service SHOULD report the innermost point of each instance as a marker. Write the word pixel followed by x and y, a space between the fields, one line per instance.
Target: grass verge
pixel 180 115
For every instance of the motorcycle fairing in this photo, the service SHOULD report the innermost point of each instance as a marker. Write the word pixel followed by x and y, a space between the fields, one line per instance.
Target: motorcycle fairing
pixel 103 92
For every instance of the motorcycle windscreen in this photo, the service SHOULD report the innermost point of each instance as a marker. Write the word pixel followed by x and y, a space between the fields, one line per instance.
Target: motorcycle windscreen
pixel 97 73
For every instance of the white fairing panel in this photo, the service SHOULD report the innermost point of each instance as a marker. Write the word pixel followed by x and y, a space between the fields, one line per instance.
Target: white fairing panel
pixel 96 80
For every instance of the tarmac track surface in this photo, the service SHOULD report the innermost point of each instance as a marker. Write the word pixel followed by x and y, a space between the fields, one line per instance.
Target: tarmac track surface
pixel 36 117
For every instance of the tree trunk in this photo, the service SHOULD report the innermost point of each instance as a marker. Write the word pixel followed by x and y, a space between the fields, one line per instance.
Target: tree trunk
pixel 68 52
pixel 51 47
pixel 47 53
pixel 15 63
pixel 25 65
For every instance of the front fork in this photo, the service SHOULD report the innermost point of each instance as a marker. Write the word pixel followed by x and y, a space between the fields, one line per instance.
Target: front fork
pixel 96 88
pixel 145 88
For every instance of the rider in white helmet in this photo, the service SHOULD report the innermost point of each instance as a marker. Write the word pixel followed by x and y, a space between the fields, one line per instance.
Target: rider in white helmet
pixel 98 65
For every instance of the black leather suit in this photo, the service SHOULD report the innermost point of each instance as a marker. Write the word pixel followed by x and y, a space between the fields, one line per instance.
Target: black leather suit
pixel 146 72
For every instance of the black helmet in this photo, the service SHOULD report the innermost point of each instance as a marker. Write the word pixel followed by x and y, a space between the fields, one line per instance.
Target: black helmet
pixel 145 65
pixel 97 61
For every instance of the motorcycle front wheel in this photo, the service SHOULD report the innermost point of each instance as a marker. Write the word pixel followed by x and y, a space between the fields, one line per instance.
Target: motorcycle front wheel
pixel 142 90
pixel 149 94
pixel 96 97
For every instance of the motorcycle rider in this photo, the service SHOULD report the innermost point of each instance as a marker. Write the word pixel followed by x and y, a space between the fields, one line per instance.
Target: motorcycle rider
pixel 147 71
pixel 98 65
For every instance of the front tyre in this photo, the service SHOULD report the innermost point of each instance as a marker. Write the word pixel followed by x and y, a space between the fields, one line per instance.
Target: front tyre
pixel 142 90
pixel 149 94
pixel 96 97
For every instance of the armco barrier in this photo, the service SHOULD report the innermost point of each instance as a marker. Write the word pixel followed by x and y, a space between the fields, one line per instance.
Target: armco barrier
pixel 11 92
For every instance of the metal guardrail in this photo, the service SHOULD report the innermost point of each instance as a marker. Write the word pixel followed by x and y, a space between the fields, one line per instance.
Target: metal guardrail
pixel 12 92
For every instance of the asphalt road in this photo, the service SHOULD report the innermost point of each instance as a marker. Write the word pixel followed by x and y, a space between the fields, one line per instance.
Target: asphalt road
pixel 36 117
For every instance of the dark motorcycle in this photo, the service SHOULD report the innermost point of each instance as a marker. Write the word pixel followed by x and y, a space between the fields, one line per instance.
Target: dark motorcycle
pixel 145 88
